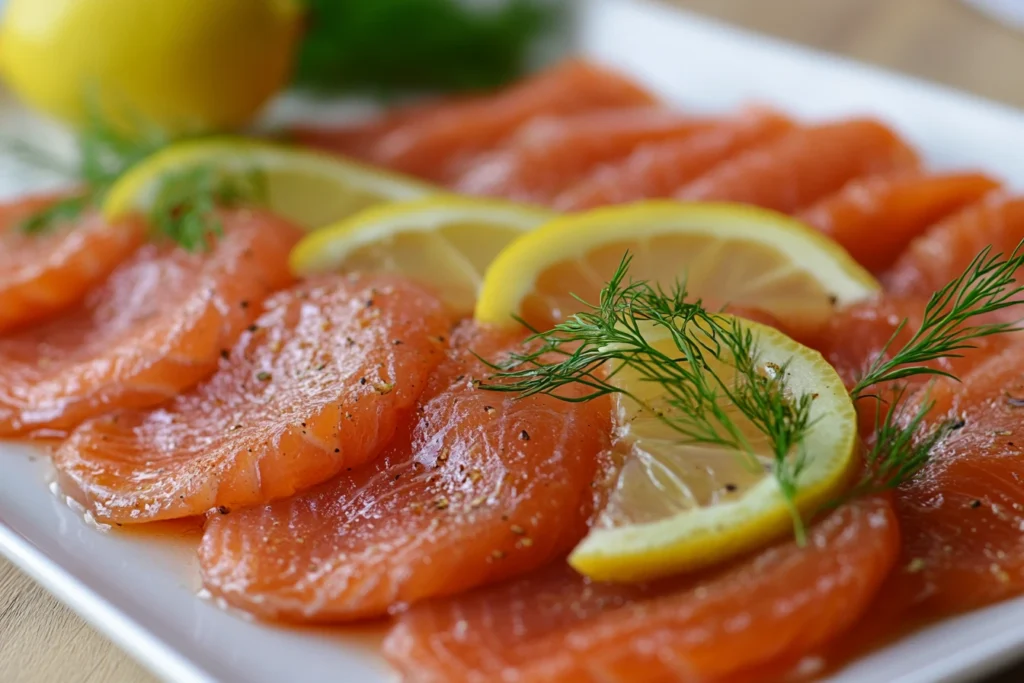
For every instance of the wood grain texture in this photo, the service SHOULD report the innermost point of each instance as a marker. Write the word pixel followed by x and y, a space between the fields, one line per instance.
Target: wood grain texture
pixel 42 641
pixel 941 40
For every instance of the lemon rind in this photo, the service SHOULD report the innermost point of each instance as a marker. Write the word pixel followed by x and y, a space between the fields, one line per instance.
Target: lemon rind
pixel 323 250
pixel 514 273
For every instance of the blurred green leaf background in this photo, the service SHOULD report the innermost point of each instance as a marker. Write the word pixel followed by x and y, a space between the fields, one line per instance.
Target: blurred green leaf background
pixel 392 45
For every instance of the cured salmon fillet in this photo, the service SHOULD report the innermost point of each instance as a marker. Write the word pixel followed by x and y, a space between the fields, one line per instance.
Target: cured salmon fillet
pixel 436 145
pixel 659 170
pixel 154 328
pixel 358 139
pixel 556 626
pixel 551 154
pixel 318 383
pixel 946 249
pixel 43 274
pixel 792 172
pixel 481 486
pixel 876 218
pixel 963 514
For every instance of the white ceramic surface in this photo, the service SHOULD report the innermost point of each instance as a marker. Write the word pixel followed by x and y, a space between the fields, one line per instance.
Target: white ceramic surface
pixel 141 589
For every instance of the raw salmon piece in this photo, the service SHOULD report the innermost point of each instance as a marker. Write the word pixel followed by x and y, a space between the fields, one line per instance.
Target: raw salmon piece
pixel 318 383
pixel 481 486
pixel 803 166
pixel 946 249
pixel 44 274
pixel 154 328
pixel 358 139
pixel 962 516
pixel 876 218
pixel 436 146
pixel 556 626
pixel 659 170
pixel 551 154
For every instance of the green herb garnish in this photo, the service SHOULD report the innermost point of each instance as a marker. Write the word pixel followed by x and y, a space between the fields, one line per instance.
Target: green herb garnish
pixel 603 340
pixel 903 441
pixel 591 347
pixel 385 45
pixel 58 213
pixel 184 202
pixel 184 206
pixel 987 285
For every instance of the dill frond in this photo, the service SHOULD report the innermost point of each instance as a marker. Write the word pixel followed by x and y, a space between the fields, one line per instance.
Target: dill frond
pixel 593 346
pixel 987 285
pixel 184 202
pixel 904 440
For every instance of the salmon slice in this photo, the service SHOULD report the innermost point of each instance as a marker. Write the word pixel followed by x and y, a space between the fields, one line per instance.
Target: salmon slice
pixel 43 274
pixel 437 145
pixel 803 166
pixel 556 626
pixel 154 328
pixel 659 170
pixel 946 249
pixel 318 383
pixel 480 487
pixel 551 154
pixel 876 218
pixel 358 139
pixel 962 516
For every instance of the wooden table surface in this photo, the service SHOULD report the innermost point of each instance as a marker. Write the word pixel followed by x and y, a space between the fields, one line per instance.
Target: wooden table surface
pixel 41 641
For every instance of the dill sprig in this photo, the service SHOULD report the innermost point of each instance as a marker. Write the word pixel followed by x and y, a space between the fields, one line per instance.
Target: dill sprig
pixel 104 153
pixel 903 444
pixel 987 285
pixel 184 202
pixel 903 439
pixel 592 347
pixel 59 212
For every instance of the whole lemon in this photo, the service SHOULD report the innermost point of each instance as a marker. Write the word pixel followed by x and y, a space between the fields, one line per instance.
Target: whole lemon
pixel 182 65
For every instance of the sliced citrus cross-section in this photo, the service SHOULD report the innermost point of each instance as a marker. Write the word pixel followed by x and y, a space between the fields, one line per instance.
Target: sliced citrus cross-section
pixel 682 504
pixel 446 243
pixel 728 255
pixel 310 189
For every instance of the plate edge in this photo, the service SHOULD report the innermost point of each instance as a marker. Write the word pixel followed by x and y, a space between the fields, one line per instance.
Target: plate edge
pixel 144 647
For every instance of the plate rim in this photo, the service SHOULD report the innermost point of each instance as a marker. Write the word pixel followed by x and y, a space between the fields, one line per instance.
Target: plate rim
pixel 152 653
pixel 171 664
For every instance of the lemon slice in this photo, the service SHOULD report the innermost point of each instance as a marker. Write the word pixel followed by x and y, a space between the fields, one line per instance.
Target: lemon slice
pixel 309 188
pixel 681 506
pixel 726 253
pixel 446 242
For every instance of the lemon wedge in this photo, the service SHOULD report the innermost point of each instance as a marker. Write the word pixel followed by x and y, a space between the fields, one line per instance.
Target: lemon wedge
pixel 681 506
pixel 309 188
pixel 446 242
pixel 726 253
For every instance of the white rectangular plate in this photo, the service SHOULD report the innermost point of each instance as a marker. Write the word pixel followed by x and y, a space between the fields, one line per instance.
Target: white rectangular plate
pixel 140 589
